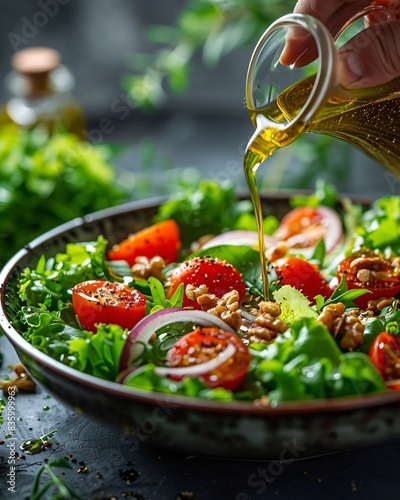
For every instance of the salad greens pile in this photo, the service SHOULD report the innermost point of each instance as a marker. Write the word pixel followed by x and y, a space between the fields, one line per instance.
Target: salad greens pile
pixel 194 209
pixel 379 227
pixel 306 363
pixel 303 363
pixel 48 321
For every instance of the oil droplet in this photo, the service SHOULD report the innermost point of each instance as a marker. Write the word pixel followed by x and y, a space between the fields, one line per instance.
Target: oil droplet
pixel 33 446
pixel 47 396
pixel 46 408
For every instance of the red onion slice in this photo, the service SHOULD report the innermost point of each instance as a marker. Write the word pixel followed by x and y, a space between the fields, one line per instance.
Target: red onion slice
pixel 247 315
pixel 142 332
pixel 239 237
pixel 199 369
pixel 334 232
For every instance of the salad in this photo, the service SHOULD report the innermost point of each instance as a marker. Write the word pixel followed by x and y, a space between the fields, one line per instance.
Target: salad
pixel 182 311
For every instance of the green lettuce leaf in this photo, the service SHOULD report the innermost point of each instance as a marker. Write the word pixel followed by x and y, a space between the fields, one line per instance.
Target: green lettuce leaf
pixel 306 363
pixel 98 354
pixel 294 305
pixel 48 331
pixel 57 334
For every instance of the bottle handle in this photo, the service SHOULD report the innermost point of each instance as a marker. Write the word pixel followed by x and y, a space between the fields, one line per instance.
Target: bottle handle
pixel 326 80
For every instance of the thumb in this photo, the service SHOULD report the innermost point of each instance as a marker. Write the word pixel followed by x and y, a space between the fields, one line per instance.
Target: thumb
pixel 372 57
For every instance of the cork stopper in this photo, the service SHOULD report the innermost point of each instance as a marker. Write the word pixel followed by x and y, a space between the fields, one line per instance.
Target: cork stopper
pixel 34 65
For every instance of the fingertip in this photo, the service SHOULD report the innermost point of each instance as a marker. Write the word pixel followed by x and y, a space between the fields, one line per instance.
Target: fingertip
pixel 287 58
pixel 351 69
pixel 295 46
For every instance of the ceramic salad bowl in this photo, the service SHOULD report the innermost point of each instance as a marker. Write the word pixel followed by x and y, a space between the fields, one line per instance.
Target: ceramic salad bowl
pixel 233 429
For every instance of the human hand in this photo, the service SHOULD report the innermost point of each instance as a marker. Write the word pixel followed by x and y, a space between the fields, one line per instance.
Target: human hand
pixel 370 58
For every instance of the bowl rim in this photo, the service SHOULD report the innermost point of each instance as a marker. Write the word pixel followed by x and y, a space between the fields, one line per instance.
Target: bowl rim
pixel 343 404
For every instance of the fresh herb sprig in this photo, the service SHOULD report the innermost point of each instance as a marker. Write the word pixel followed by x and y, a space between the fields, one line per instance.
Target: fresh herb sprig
pixel 341 294
pixel 2 406
pixel 155 294
pixel 63 492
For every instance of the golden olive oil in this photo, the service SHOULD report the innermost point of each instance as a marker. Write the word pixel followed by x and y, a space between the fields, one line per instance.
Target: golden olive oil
pixel 367 118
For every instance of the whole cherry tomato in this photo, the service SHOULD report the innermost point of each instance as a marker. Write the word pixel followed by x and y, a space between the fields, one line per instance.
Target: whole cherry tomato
pixel 218 275
pixel 161 239
pixel 105 302
pixel 371 272
pixel 303 276
pixel 385 355
pixel 204 344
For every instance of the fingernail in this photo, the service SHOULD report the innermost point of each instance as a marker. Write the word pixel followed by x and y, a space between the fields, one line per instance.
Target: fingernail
pixel 351 68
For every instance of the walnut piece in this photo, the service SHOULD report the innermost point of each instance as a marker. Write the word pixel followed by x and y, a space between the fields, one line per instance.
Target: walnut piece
pixel 349 330
pixel 194 292
pixel 267 326
pixel 144 267
pixel 270 307
pixel 377 305
pixel 226 307
pixel 371 269
pixel 346 328
pixel 22 381
pixel 330 313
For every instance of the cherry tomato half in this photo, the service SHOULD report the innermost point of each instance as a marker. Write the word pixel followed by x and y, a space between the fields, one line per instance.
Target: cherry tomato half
pixel 385 355
pixel 376 273
pixel 218 275
pixel 304 227
pixel 204 344
pixel 105 302
pixel 303 276
pixel 161 239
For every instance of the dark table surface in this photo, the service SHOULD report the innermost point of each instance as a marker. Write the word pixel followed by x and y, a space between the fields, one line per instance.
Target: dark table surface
pixel 110 464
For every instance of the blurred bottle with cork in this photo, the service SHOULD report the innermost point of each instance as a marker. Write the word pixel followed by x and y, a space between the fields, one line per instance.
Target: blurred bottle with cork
pixel 40 91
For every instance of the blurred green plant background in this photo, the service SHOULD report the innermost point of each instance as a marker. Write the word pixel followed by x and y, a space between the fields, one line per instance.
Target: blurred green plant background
pixel 47 180
pixel 214 29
